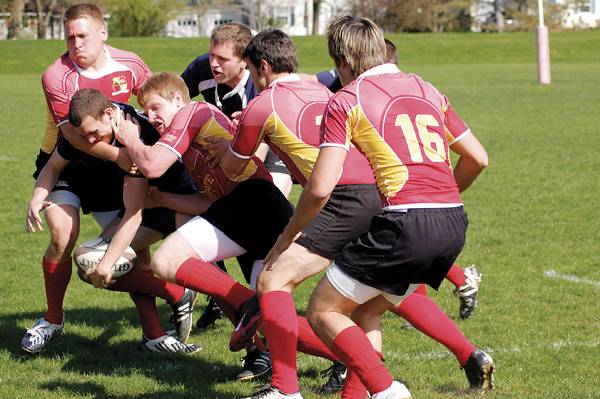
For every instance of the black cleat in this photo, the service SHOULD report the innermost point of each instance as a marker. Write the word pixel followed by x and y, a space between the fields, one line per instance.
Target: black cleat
pixel 182 315
pixel 480 370
pixel 256 364
pixel 249 318
pixel 336 378
pixel 212 313
pixel 467 293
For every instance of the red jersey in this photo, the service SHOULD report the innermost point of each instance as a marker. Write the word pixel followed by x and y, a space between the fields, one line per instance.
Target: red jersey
pixel 403 126
pixel 123 74
pixel 186 137
pixel 287 116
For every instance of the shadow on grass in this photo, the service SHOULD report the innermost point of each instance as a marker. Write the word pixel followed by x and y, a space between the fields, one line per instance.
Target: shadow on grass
pixel 103 356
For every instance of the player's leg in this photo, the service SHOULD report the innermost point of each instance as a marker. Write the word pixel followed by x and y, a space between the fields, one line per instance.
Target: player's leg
pixel 62 217
pixel 329 312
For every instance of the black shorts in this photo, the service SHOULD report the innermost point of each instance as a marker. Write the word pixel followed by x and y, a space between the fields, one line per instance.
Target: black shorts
pixel 344 217
pixel 98 187
pixel 253 215
pixel 158 219
pixel 400 248
pixel 274 164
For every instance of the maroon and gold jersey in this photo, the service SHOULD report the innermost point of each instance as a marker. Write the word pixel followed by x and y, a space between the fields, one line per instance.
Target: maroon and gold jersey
pixel 287 116
pixel 123 74
pixel 186 137
pixel 403 126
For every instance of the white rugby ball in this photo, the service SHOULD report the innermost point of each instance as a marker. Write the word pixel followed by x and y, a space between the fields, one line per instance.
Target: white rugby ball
pixel 89 254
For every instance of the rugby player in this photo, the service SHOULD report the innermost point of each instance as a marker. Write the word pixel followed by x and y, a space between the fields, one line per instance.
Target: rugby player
pixel 90 115
pixel 421 230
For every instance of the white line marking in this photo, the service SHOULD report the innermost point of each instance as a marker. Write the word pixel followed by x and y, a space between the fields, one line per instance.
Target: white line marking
pixel 571 278
pixel 7 158
pixel 558 345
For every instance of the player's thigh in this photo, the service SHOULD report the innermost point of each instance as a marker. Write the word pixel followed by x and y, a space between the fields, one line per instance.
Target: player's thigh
pixel 63 223
pixel 293 266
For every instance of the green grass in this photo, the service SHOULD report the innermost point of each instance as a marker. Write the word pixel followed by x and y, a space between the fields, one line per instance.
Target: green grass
pixel 532 210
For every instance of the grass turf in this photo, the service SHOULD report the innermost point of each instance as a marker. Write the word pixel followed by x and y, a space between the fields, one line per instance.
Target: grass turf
pixel 533 211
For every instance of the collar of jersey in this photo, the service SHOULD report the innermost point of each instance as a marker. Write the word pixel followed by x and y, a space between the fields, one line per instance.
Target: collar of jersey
pixel 239 89
pixel 292 77
pixel 380 70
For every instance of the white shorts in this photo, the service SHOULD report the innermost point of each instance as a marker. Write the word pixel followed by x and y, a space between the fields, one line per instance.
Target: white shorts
pixel 359 292
pixel 64 197
pixel 209 243
pixel 104 218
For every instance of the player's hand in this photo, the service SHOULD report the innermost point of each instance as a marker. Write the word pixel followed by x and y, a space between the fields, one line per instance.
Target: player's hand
pixel 235 121
pixel 125 162
pixel 153 198
pixel 126 130
pixel 33 222
pixel 217 147
pixel 100 277
pixel 282 244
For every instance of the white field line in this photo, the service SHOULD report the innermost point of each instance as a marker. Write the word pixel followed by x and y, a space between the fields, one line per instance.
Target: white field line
pixel 7 158
pixel 558 345
pixel 571 278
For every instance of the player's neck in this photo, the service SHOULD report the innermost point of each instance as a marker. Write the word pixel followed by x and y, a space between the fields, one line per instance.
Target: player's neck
pixel 99 63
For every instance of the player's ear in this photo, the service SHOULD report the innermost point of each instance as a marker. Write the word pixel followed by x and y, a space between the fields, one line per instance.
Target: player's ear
pixel 178 98
pixel 264 67
pixel 109 111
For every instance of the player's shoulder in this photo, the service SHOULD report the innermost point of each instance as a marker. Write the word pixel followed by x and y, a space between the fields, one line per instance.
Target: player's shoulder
pixel 55 75
pixel 126 57
pixel 201 67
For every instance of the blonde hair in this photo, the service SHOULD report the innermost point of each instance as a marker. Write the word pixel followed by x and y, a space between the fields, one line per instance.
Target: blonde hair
pixel 356 40
pixel 164 84
pixel 239 35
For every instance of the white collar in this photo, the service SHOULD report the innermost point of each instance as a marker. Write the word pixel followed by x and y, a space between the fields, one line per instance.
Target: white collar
pixel 380 70
pixel 292 77
pixel 237 90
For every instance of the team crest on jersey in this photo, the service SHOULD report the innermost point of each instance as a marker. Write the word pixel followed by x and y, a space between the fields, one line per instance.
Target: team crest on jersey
pixel 119 85
pixel 169 137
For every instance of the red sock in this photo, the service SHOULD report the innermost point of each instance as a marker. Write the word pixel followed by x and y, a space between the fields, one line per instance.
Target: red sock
pixel 56 279
pixel 208 279
pixel 426 316
pixel 421 289
pixel 456 275
pixel 353 387
pixel 354 349
pixel 145 282
pixel 146 309
pixel 309 343
pixel 280 327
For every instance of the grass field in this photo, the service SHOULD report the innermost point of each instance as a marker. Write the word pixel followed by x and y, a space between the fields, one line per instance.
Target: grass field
pixel 534 232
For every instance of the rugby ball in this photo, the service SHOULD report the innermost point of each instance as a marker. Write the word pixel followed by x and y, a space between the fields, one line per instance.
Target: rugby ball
pixel 89 254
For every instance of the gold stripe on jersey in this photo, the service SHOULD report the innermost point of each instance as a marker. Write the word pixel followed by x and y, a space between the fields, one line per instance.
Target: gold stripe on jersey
pixel 302 155
pixel 390 173
pixel 51 136
pixel 213 129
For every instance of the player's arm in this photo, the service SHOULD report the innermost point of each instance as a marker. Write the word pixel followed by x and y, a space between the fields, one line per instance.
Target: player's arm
pixel 151 161
pixel 189 204
pixel 43 185
pixel 471 162
pixel 99 149
pixel 314 196
pixel 245 144
pixel 134 191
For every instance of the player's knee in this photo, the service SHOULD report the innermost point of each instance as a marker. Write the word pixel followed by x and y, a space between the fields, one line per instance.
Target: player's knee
pixel 161 265
pixel 314 317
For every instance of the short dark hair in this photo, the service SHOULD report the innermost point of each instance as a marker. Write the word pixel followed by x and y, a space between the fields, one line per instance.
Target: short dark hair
pixel 275 47
pixel 87 102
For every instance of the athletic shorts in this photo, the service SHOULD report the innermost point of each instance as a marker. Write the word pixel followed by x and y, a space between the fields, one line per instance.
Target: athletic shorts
pixel 253 215
pixel 274 164
pixel 404 247
pixel 344 217
pixel 98 187
pixel 158 219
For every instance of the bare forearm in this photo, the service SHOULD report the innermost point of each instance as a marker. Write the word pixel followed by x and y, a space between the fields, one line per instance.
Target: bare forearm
pixel 122 238
pixel 465 173
pixel 190 204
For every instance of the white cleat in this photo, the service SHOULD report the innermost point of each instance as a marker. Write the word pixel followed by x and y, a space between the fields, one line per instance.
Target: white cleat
pixel 38 336
pixel 396 391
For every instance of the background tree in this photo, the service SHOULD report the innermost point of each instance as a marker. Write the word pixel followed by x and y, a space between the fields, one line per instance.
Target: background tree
pixel 15 24
pixel 141 17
